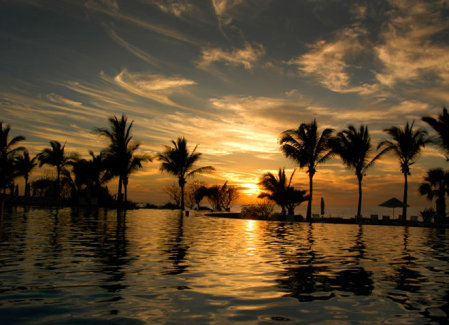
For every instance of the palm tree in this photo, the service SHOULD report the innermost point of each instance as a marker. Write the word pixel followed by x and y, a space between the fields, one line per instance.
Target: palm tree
pixel 134 164
pixel 55 156
pixel 406 143
pixel 309 149
pixel 24 164
pixel 436 185
pixel 8 150
pixel 178 161
pixel 294 198
pixel 90 174
pixel 441 126
pixel 354 148
pixel 281 192
pixel 121 151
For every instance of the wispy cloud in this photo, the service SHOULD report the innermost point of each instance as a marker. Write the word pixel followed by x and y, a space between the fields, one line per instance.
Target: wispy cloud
pixel 407 51
pixel 153 86
pixel 246 56
pixel 175 7
pixel 134 50
pixel 328 61
pixel 96 6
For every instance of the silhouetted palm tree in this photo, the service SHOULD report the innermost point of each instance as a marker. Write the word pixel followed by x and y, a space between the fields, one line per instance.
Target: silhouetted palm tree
pixel 294 198
pixel 91 174
pixel 55 156
pixel 406 143
pixel 121 151
pixel 436 185
pixel 354 148
pixel 134 164
pixel 441 126
pixel 24 164
pixel 8 150
pixel 178 161
pixel 308 148
pixel 281 192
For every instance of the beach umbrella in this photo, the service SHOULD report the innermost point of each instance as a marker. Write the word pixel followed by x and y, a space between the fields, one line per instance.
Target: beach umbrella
pixel 322 206
pixel 392 203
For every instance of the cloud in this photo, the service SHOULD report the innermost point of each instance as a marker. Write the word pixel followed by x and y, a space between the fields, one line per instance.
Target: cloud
pixel 175 7
pixel 94 6
pixel 134 50
pixel 407 51
pixel 327 61
pixel 222 10
pixel 153 86
pixel 246 56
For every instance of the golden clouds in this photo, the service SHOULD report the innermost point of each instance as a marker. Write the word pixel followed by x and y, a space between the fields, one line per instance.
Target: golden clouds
pixel 246 56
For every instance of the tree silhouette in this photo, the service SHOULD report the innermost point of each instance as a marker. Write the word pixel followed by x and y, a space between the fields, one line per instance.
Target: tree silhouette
pixel 121 151
pixel 134 164
pixel 178 161
pixel 441 126
pixel 91 174
pixel 55 156
pixel 8 150
pixel 24 164
pixel 309 149
pixel 220 197
pixel 436 185
pixel 279 191
pixel 354 148
pixel 406 143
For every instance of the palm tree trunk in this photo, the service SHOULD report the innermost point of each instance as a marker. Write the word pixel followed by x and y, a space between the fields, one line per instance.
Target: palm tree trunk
pixel 119 190
pixel 125 186
pixel 441 205
pixel 181 184
pixel 404 200
pixel 309 204
pixel 27 187
pixel 58 181
pixel 359 205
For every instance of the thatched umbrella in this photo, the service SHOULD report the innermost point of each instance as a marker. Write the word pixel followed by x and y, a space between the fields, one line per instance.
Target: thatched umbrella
pixel 392 203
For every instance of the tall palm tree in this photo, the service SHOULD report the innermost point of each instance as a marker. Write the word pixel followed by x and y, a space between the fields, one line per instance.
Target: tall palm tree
pixel 441 126
pixel 121 151
pixel 309 149
pixel 436 185
pixel 8 150
pixel 178 161
pixel 354 148
pixel 279 190
pixel 406 143
pixel 24 164
pixel 134 164
pixel 55 156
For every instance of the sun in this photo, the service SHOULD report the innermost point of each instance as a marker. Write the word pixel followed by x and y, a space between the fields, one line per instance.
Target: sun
pixel 250 189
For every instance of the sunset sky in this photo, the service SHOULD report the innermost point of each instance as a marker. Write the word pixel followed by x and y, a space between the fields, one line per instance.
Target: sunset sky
pixel 230 76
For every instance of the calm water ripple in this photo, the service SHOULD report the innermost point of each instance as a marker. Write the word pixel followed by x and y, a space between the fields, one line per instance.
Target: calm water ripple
pixel 152 266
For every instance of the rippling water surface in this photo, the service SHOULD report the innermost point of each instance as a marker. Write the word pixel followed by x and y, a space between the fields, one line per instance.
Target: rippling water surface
pixel 153 266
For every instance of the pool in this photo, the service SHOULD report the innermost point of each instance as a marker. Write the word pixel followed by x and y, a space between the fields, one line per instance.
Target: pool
pixel 154 266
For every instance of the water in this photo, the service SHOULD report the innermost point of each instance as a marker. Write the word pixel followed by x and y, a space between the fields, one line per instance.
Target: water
pixel 153 266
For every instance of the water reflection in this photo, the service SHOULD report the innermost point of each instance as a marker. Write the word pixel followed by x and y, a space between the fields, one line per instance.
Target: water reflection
pixel 176 249
pixel 309 276
pixel 162 267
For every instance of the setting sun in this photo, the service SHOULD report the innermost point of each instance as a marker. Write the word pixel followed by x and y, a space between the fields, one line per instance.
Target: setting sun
pixel 250 189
